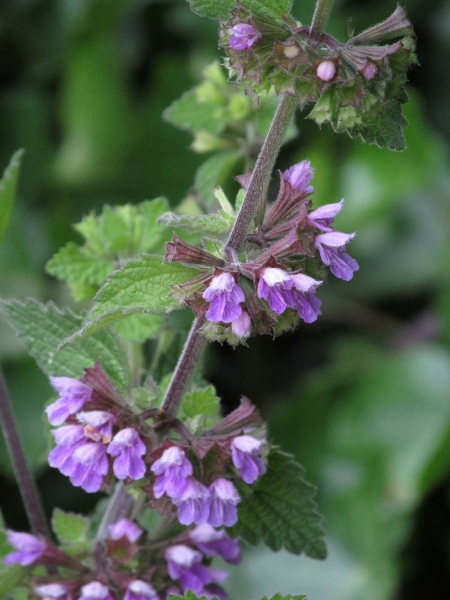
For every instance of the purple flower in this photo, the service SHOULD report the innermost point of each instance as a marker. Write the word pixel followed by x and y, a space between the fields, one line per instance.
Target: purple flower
pixel 224 296
pixel 100 424
pixel 272 286
pixel 193 504
pixel 90 463
pixel 323 217
pixel 173 469
pixel 128 447
pixel 216 543
pixel 244 449
pixel 29 549
pixel 326 70
pixel 125 528
pixel 332 252
pixel 299 175
pixel 55 591
pixel 68 439
pixel 95 591
pixel 242 326
pixel 140 590
pixel 224 498
pixel 74 395
pixel 183 563
pixel 243 36
pixel 302 297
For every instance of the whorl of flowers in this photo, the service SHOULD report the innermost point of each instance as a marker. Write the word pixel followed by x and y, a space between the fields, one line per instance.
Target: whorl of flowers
pixel 239 299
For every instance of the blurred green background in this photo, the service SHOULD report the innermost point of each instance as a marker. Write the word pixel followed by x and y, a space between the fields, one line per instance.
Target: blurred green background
pixel 362 396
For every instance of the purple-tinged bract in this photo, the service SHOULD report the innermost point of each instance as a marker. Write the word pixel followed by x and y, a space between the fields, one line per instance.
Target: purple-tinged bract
pixel 124 528
pixel 243 36
pixel 244 451
pixel 332 252
pixel 224 498
pixel 128 448
pixel 224 296
pixel 73 396
pixel 29 549
pixel 216 543
pixel 299 176
pixel 173 469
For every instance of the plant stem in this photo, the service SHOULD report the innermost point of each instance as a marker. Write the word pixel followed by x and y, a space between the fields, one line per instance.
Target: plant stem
pixel 183 370
pixel 262 171
pixel 321 15
pixel 119 506
pixel 27 487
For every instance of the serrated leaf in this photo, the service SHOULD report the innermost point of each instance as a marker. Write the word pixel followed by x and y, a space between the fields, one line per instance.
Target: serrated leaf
pixel 212 8
pixel 142 285
pixel 69 528
pixel 386 130
pixel 218 223
pixel 41 328
pixel 8 186
pixel 215 172
pixel 281 511
pixel 274 9
pixel 81 271
pixel 221 10
pixel 190 114
pixel 201 402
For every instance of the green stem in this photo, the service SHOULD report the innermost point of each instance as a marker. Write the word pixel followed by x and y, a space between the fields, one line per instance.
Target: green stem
pixel 321 15
pixel 25 481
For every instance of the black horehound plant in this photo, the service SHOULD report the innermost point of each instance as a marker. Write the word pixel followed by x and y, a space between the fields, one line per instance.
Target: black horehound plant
pixel 186 485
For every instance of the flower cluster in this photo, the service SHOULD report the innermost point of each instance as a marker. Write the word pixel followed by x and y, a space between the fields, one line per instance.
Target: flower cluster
pixel 249 297
pixel 196 503
pixel 350 82
pixel 95 443
pixel 179 564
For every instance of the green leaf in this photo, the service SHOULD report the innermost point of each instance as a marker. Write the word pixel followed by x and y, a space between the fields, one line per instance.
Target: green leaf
pixel 221 10
pixel 8 186
pixel 201 402
pixel 212 8
pixel 386 130
pixel 12 576
pixel 69 528
pixel 281 511
pixel 139 327
pixel 41 328
pixel 142 285
pixel 218 223
pixel 215 172
pixel 190 114
pixel 189 595
pixel 82 272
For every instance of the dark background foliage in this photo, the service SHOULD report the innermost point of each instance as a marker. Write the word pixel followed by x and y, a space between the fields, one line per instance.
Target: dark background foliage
pixel 361 396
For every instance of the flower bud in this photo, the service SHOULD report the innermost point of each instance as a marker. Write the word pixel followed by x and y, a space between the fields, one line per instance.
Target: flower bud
pixel 369 70
pixel 326 70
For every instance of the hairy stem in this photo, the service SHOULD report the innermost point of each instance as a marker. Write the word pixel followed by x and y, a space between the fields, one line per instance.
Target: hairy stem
pixel 262 171
pixel 186 364
pixel 27 487
pixel 119 507
pixel 321 15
